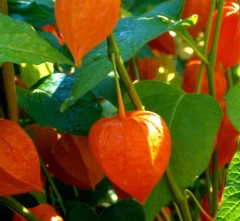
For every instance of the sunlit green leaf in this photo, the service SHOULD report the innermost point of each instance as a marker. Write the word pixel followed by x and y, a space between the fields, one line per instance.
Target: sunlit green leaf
pixel 20 43
pixel 188 117
pixel 230 208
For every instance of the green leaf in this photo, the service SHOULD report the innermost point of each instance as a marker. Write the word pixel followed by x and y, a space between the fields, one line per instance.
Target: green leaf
pixel 30 12
pixel 80 211
pixel 31 73
pixel 43 104
pixel 188 117
pixel 107 89
pixel 181 31
pixel 20 43
pixel 233 104
pixel 131 34
pixel 127 210
pixel 230 208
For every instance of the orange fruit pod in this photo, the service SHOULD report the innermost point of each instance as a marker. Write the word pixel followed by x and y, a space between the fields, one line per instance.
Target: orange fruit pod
pixel 19 163
pixel 164 43
pixel 228 50
pixel 43 211
pixel 227 139
pixel 73 163
pixel 201 8
pixel 84 24
pixel 132 151
pixel 190 79
pixel 147 67
pixel 45 138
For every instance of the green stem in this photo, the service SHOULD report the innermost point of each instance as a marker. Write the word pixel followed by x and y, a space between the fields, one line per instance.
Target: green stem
pixel 198 204
pixel 165 216
pixel 113 48
pixel 209 186
pixel 14 205
pixel 229 78
pixel 213 51
pixel 210 73
pixel 9 78
pixel 188 38
pixel 181 200
pixel 178 211
pixel 206 42
pixel 121 109
pixel 215 180
pixel 52 184
pixel 158 218
pixel 135 68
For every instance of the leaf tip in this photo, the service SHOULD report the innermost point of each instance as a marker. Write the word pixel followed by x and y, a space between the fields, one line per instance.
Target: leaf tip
pixel 67 103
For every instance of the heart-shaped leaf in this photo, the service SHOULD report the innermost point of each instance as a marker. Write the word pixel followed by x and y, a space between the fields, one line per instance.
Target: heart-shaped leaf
pixel 233 104
pixel 80 211
pixel 188 117
pixel 127 210
pixel 19 163
pixel 43 104
pixel 230 207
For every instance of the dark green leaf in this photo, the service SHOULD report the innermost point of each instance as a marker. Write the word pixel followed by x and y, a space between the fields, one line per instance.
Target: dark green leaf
pixel 233 106
pixel 30 12
pixel 127 210
pixel 107 89
pixel 230 208
pixel 20 43
pixel 188 117
pixel 80 211
pixel 145 51
pixel 43 104
pixel 131 34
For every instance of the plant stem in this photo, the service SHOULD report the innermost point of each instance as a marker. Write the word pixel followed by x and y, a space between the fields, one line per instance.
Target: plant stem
pixel 158 218
pixel 206 42
pixel 198 204
pixel 177 211
pixel 209 186
pixel 181 200
pixel 213 51
pixel 210 73
pixel 229 78
pixel 136 72
pixel 215 180
pixel 55 190
pixel 188 38
pixel 8 79
pixel 14 205
pixel 121 109
pixel 10 90
pixel 113 48
pixel 165 216
pixel 4 7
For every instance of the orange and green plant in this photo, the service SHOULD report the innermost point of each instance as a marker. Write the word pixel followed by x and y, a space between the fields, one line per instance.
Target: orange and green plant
pixel 119 110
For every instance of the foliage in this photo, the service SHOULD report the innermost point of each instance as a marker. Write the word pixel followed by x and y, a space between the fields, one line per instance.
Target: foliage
pixel 65 64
